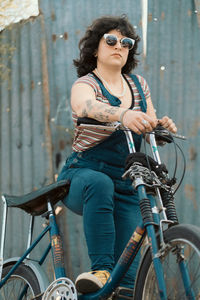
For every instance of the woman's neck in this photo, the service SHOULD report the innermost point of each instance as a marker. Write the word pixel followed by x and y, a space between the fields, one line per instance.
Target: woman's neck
pixel 112 76
pixel 115 83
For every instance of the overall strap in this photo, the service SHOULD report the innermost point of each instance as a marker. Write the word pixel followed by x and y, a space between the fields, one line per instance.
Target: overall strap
pixel 143 103
pixel 114 101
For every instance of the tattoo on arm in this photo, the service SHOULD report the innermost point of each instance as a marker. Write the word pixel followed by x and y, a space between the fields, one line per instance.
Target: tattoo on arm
pixel 111 110
pixel 89 105
pixel 99 111
pixel 84 113
pixel 101 117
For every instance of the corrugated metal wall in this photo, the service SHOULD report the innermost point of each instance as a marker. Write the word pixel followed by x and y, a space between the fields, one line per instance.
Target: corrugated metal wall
pixel 26 143
pixel 35 90
pixel 173 72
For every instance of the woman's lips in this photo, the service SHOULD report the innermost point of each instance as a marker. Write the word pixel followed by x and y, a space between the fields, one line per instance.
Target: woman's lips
pixel 116 54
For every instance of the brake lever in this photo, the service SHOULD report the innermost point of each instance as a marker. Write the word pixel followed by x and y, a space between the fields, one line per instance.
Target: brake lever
pixel 178 136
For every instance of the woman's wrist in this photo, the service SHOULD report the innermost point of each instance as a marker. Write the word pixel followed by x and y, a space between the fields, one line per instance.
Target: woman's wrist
pixel 121 117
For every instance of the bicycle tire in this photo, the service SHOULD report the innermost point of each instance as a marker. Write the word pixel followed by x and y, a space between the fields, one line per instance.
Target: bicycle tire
pixel 23 277
pixel 187 236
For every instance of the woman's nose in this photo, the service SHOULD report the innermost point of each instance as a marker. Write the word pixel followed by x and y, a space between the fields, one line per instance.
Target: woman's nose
pixel 118 45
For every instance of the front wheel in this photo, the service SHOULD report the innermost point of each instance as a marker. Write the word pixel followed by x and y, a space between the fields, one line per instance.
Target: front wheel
pixel 22 285
pixel 182 246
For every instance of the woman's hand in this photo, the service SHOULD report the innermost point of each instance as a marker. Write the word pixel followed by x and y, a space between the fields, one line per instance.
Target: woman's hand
pixel 167 123
pixel 139 122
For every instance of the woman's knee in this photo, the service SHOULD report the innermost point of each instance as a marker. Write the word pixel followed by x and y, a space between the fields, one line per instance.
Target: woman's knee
pixel 99 190
pixel 99 182
pixel 99 185
pixel 87 184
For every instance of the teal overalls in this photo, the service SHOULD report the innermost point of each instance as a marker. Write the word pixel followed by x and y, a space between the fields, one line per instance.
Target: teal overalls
pixel 109 205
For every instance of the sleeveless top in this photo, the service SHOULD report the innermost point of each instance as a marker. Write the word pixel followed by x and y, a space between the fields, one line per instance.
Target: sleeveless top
pixel 85 138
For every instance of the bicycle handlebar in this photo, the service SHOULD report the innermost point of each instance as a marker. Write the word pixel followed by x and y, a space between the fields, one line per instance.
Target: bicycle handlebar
pixel 161 134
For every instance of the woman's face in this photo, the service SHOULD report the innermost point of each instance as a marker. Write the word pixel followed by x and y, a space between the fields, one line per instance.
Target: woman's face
pixel 112 56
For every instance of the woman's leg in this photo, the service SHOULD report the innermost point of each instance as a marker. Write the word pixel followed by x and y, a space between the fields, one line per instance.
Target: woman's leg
pixel 91 193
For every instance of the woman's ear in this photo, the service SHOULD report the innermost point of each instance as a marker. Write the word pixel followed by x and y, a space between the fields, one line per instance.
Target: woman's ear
pixel 95 53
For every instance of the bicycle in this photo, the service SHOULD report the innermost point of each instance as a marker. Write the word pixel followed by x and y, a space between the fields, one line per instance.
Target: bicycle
pixel 169 267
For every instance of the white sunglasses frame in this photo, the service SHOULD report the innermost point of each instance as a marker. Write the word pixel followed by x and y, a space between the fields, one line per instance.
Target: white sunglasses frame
pixel 120 40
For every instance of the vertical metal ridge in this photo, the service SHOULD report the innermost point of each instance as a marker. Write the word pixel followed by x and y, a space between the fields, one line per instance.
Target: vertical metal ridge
pixel 46 97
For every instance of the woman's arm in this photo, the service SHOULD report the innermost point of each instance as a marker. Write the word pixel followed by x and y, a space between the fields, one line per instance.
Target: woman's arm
pixel 84 103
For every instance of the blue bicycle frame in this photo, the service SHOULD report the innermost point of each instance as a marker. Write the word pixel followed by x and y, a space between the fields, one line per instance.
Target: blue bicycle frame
pixel 55 246
pixel 129 253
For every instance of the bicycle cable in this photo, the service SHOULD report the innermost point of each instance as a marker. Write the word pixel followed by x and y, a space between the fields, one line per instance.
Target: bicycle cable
pixel 184 168
pixel 176 161
pixel 171 139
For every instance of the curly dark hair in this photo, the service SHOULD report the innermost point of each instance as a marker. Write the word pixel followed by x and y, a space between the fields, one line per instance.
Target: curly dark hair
pixel 90 42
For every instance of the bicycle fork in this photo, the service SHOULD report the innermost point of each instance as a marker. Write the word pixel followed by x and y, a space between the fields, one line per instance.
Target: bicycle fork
pixel 149 225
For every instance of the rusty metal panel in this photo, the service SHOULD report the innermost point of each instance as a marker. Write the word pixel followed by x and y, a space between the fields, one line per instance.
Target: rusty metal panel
pixel 26 154
pixel 25 138
pixel 35 91
pixel 172 69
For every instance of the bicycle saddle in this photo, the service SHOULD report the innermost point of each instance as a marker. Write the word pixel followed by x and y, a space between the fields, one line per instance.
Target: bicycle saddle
pixel 35 203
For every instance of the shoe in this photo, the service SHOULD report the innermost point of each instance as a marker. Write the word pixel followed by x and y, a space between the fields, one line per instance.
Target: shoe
pixel 90 282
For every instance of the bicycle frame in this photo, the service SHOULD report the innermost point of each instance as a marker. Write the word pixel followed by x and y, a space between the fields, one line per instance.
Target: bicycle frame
pixel 147 226
pixel 54 245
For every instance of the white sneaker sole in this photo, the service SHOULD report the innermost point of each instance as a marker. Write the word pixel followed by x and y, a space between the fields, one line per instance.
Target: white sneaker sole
pixel 87 283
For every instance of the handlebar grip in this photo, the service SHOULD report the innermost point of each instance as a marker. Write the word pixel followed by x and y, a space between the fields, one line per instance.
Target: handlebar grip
pixel 163 135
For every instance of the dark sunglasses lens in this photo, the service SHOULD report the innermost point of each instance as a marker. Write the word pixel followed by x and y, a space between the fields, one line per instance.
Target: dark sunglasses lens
pixel 127 43
pixel 111 40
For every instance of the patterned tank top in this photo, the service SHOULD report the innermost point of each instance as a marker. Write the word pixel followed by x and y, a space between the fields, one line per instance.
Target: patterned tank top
pixel 86 138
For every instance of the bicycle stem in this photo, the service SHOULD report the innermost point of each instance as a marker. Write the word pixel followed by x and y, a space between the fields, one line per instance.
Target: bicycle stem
pixel 130 141
pixel 156 156
pixel 154 148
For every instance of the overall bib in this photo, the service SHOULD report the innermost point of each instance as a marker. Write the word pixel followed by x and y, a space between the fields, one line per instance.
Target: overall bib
pixel 109 205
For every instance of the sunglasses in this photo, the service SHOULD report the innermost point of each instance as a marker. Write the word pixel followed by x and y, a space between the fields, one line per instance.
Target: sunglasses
pixel 125 42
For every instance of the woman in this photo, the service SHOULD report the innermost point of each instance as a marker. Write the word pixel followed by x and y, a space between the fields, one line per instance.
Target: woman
pixel 107 92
